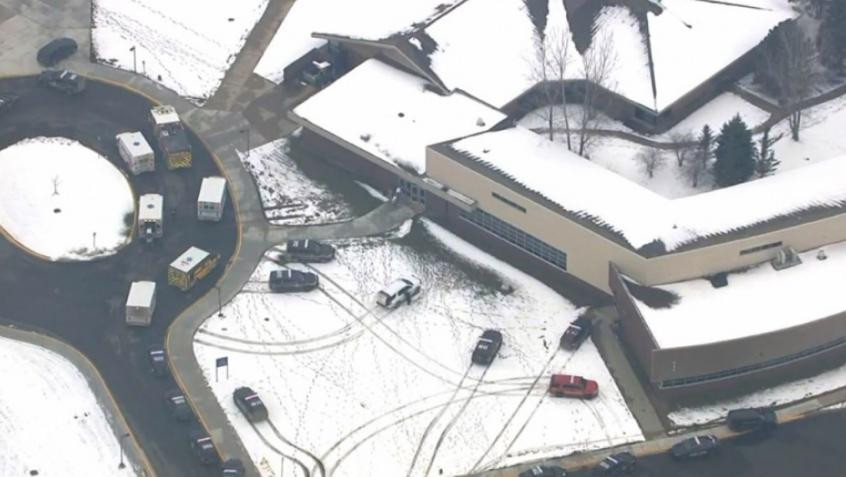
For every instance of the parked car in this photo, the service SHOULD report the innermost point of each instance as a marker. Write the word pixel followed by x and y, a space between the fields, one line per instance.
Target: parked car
pixel 693 447
pixel 233 468
pixel 544 471
pixel 249 402
pixel 567 385
pixel 178 406
pixel 616 464
pixel 56 51
pixel 752 419
pixel 576 333
pixel 289 281
pixel 487 347
pixel 309 251
pixel 158 361
pixel 7 100
pixel 203 447
pixel 397 292
pixel 65 81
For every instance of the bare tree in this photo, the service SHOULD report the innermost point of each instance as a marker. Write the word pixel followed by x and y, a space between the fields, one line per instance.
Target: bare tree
pixel 684 146
pixel 598 64
pixel 56 183
pixel 788 58
pixel 549 72
pixel 695 170
pixel 651 159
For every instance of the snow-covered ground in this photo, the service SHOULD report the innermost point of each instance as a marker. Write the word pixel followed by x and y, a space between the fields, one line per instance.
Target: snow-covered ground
pixel 821 136
pixel 50 421
pixel 288 196
pixel 717 112
pixel 775 396
pixel 365 390
pixel 47 203
pixel 787 298
pixel 186 45
pixel 372 19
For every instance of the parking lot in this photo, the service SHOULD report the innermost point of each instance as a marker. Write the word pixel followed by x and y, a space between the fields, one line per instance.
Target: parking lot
pixel 353 388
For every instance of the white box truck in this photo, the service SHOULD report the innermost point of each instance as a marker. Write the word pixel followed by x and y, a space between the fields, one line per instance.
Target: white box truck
pixel 150 218
pixel 136 152
pixel 212 199
pixel 141 303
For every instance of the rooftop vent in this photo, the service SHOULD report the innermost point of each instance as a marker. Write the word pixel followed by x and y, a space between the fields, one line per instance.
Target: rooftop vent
pixel 786 258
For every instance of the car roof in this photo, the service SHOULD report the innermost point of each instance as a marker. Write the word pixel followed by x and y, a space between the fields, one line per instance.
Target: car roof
pixel 491 334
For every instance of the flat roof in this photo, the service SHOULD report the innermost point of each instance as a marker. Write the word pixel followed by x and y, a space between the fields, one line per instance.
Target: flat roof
pixel 164 114
pixel 212 190
pixel 394 115
pixel 141 294
pixel 135 143
pixel 190 259
pixel 756 301
pixel 150 207
pixel 641 217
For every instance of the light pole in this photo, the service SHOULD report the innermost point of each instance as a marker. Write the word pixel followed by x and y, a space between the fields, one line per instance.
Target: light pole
pixel 121 465
pixel 219 306
pixel 134 60
pixel 144 67
pixel 247 133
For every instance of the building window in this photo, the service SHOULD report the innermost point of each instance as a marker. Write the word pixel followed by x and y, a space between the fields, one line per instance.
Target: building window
pixel 517 237
pixel 760 248
pixel 509 202
pixel 672 383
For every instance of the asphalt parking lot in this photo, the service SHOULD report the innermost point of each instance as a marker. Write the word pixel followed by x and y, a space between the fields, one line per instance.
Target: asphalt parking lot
pixel 812 447
pixel 83 303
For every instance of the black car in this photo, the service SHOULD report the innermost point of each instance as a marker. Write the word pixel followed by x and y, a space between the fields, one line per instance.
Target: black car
pixel 487 347
pixel 576 333
pixel 56 51
pixel 65 81
pixel 158 361
pixel 178 406
pixel 288 281
pixel 203 447
pixel 752 419
pixel 233 468
pixel 249 402
pixel 544 471
pixel 309 251
pixel 7 100
pixel 693 447
pixel 616 464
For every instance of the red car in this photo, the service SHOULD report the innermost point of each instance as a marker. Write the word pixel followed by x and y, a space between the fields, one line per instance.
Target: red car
pixel 565 385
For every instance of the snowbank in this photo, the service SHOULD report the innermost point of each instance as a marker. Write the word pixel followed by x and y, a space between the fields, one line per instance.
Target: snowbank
pixel 185 45
pixel 756 301
pixel 393 115
pixel 47 203
pixel 51 422
pixel 399 384
pixel 370 19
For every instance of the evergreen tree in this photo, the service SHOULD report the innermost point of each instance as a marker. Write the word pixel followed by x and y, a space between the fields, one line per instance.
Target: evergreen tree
pixel 765 161
pixel 831 38
pixel 735 154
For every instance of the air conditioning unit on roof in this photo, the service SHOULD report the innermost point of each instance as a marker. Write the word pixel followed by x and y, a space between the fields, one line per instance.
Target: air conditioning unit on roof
pixel 786 258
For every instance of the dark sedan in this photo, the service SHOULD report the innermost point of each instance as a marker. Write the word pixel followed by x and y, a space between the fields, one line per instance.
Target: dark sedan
pixel 178 406
pixel 576 333
pixel 64 81
pixel 158 362
pixel 616 464
pixel 203 448
pixel 693 447
pixel 290 281
pixel 309 251
pixel 56 51
pixel 487 347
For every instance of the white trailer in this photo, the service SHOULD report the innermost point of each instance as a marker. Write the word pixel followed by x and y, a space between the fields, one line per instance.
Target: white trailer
pixel 136 152
pixel 212 199
pixel 150 217
pixel 141 303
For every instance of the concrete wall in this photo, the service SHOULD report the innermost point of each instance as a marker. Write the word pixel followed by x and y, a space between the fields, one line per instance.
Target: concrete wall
pixel 589 253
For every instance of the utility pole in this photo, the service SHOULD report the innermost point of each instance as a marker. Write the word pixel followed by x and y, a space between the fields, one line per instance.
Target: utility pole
pixel 134 60
pixel 121 465
pixel 219 305
pixel 246 131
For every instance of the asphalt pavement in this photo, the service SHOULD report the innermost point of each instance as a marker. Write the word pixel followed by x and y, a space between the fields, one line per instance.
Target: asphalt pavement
pixel 82 303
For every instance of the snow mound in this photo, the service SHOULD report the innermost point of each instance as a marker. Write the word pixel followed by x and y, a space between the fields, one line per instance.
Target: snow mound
pixel 48 206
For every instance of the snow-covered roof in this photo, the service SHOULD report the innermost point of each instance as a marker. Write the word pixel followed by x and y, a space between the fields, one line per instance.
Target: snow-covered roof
pixel 489 48
pixel 141 294
pixel 164 114
pixel 150 207
pixel 190 259
pixel 754 302
pixel 212 190
pixel 394 115
pixel 135 144
pixel 639 215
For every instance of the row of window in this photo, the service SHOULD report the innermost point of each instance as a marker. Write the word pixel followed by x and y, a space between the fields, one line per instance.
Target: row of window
pixel 517 237
pixel 672 383
pixel 509 202
pixel 760 248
